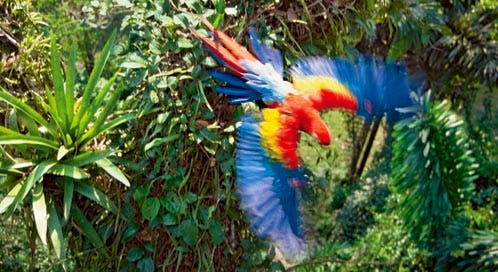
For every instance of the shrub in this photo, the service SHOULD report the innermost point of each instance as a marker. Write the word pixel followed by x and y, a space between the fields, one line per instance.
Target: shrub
pixel 432 170
pixel 47 156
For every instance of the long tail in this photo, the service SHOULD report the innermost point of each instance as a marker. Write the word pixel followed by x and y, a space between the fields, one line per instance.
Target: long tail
pixel 250 76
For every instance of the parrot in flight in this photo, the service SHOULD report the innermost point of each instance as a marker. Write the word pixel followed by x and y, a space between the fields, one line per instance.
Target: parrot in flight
pixel 268 168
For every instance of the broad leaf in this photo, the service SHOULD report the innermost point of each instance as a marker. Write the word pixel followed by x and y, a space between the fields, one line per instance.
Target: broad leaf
pixel 62 152
pixel 150 208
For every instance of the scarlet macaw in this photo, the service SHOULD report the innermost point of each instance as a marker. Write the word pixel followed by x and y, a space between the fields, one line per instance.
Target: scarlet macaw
pixel 267 162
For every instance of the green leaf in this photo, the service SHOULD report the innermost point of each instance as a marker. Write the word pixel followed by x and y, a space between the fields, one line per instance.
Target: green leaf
pixel 8 136
pixel 92 81
pixel 62 152
pixel 135 254
pixel 184 43
pixel 88 158
pixel 58 82
pixel 168 220
pixel 35 176
pixel 68 198
pixel 145 265
pixel 26 140
pixel 88 230
pixel 55 232
pixel 70 83
pixel 9 198
pixel 113 170
pixel 29 123
pixel 30 112
pixel 92 133
pixel 150 208
pixel 40 212
pixel 69 171
pixel 189 232
pixel 161 141
pixel 96 195
pixel 92 110
pixel 216 231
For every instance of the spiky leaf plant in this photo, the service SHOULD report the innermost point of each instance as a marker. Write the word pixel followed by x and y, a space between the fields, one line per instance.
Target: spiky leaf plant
pixel 432 170
pixel 46 155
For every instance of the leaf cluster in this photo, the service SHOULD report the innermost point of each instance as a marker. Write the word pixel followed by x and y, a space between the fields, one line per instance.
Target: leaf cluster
pixel 47 154
pixel 432 169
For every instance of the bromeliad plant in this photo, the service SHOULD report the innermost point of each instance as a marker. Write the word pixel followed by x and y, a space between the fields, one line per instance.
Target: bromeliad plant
pixel 432 170
pixel 46 156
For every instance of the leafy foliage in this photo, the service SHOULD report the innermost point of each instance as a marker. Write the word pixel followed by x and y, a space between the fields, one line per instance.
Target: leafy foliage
pixel 465 51
pixel 181 209
pixel 433 170
pixel 49 160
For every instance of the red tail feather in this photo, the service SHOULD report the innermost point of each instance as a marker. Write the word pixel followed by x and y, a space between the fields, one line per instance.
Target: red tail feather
pixel 221 52
pixel 239 51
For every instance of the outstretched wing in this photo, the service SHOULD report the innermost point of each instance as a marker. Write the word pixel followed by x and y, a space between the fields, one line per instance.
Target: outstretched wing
pixel 370 87
pixel 266 190
pixel 249 77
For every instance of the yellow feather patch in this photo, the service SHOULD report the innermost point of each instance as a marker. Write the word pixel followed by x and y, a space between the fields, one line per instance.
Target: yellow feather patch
pixel 269 133
pixel 314 84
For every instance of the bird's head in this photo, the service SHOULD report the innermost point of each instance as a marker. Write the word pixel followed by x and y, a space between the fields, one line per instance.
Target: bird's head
pixel 308 118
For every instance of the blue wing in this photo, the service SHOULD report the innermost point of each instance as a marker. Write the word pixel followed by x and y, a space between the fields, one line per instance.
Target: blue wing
pixel 267 194
pixel 379 87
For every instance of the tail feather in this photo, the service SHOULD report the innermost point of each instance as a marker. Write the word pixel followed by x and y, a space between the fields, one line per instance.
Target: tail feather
pixel 222 55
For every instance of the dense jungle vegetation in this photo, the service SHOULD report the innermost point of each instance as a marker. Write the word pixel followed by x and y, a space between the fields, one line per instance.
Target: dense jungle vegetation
pixel 116 153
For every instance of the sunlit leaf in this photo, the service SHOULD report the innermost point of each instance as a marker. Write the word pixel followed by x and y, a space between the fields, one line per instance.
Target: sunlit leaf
pixel 68 198
pixel 113 170
pixel 69 171
pixel 55 233
pixel 40 212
